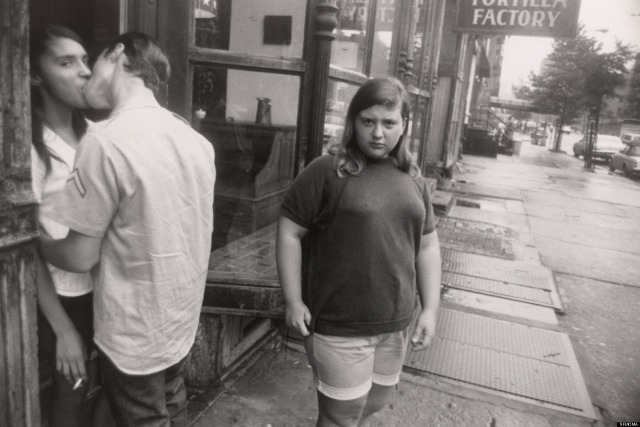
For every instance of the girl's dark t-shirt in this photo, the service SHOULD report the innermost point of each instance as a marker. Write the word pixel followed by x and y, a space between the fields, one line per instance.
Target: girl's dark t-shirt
pixel 359 275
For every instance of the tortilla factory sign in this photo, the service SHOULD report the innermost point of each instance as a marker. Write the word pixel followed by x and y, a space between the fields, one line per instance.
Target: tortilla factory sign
pixel 542 18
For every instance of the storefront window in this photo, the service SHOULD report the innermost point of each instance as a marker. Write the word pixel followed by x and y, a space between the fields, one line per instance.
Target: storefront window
pixel 274 28
pixel 339 97
pixel 382 38
pixel 250 118
pixel 419 107
pixel 420 45
pixel 348 50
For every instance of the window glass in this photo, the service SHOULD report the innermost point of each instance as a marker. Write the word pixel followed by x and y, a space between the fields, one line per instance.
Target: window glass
pixel 349 47
pixel 420 45
pixel 419 106
pixel 339 95
pixel 275 28
pixel 382 37
pixel 250 118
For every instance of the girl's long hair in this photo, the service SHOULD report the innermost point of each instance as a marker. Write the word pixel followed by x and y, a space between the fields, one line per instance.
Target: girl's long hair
pixel 388 92
pixel 39 42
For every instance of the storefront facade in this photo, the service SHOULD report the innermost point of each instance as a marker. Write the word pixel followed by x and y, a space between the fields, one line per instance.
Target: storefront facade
pixel 269 87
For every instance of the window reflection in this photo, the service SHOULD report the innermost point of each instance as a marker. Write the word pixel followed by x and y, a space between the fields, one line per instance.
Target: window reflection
pixel 348 49
pixel 212 23
pixel 419 105
pixel 420 45
pixel 274 28
pixel 250 118
pixel 339 97
pixel 382 38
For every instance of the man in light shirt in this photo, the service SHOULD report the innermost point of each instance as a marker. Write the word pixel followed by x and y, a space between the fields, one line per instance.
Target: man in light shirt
pixel 139 206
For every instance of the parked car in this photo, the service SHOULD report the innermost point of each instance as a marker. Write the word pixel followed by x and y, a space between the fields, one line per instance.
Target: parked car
pixel 605 147
pixel 630 138
pixel 628 161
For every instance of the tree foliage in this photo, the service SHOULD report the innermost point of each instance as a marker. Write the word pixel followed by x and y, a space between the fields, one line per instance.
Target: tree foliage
pixel 605 73
pixel 577 77
pixel 522 91
pixel 633 98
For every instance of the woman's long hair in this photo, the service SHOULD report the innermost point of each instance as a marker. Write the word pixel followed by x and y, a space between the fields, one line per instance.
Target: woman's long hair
pixel 39 42
pixel 388 92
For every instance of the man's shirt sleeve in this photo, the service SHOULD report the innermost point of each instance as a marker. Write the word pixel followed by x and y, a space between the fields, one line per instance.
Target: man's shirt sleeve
pixel 90 198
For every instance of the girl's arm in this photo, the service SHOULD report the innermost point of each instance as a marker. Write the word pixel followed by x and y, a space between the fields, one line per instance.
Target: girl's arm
pixel 289 262
pixel 70 350
pixel 77 252
pixel 429 275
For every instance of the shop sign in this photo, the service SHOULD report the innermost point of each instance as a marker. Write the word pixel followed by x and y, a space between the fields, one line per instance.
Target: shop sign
pixel 542 18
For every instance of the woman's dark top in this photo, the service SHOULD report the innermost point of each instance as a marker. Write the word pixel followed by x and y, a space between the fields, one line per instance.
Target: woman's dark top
pixel 359 275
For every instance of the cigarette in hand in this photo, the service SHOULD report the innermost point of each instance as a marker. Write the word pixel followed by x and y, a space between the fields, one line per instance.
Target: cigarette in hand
pixel 78 384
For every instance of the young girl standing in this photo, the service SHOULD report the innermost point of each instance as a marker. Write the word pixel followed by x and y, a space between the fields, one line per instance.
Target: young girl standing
pixel 370 227
pixel 59 72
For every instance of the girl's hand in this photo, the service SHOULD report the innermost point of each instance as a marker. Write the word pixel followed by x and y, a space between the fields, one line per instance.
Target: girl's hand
pixel 298 317
pixel 425 330
pixel 71 355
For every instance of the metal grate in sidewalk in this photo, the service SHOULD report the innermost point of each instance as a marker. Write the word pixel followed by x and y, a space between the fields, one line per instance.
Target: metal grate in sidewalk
pixel 478 269
pixel 514 280
pixel 492 287
pixel 528 364
pixel 493 262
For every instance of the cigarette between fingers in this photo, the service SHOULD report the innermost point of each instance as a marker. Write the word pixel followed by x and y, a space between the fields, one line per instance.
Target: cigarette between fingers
pixel 78 384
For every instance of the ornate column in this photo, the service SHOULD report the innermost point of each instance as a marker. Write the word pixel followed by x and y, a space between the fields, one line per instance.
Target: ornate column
pixel 405 69
pixel 19 404
pixel 326 21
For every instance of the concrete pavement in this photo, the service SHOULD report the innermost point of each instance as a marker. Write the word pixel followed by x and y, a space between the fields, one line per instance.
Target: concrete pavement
pixel 585 227
pixel 582 225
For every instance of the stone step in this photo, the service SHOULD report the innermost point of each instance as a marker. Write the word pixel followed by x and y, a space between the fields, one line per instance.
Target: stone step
pixel 442 202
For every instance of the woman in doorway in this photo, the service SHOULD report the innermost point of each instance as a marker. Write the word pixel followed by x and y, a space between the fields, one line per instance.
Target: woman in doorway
pixel 59 72
pixel 367 217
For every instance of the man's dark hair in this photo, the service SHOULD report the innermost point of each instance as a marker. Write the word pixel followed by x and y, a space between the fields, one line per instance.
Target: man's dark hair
pixel 146 59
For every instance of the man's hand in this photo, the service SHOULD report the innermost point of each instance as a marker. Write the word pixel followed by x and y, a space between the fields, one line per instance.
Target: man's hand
pixel 71 355
pixel 298 317
pixel 425 330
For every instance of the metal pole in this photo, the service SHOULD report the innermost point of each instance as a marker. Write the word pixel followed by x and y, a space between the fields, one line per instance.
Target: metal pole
pixel 591 135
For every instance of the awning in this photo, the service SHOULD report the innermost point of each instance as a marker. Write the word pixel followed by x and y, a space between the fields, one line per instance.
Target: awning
pixel 512 104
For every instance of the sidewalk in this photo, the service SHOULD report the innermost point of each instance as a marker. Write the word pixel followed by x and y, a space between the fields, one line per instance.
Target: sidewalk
pixel 493 218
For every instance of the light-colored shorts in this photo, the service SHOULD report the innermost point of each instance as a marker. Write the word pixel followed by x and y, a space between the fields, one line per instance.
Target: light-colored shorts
pixel 344 368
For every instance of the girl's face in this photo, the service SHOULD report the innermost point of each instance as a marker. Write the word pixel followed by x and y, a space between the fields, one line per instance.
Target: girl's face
pixel 63 72
pixel 378 130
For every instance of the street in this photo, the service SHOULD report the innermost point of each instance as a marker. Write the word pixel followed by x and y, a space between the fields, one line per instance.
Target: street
pixel 566 146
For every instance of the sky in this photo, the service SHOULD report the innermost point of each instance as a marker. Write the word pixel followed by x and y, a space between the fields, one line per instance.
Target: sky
pixel 524 54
